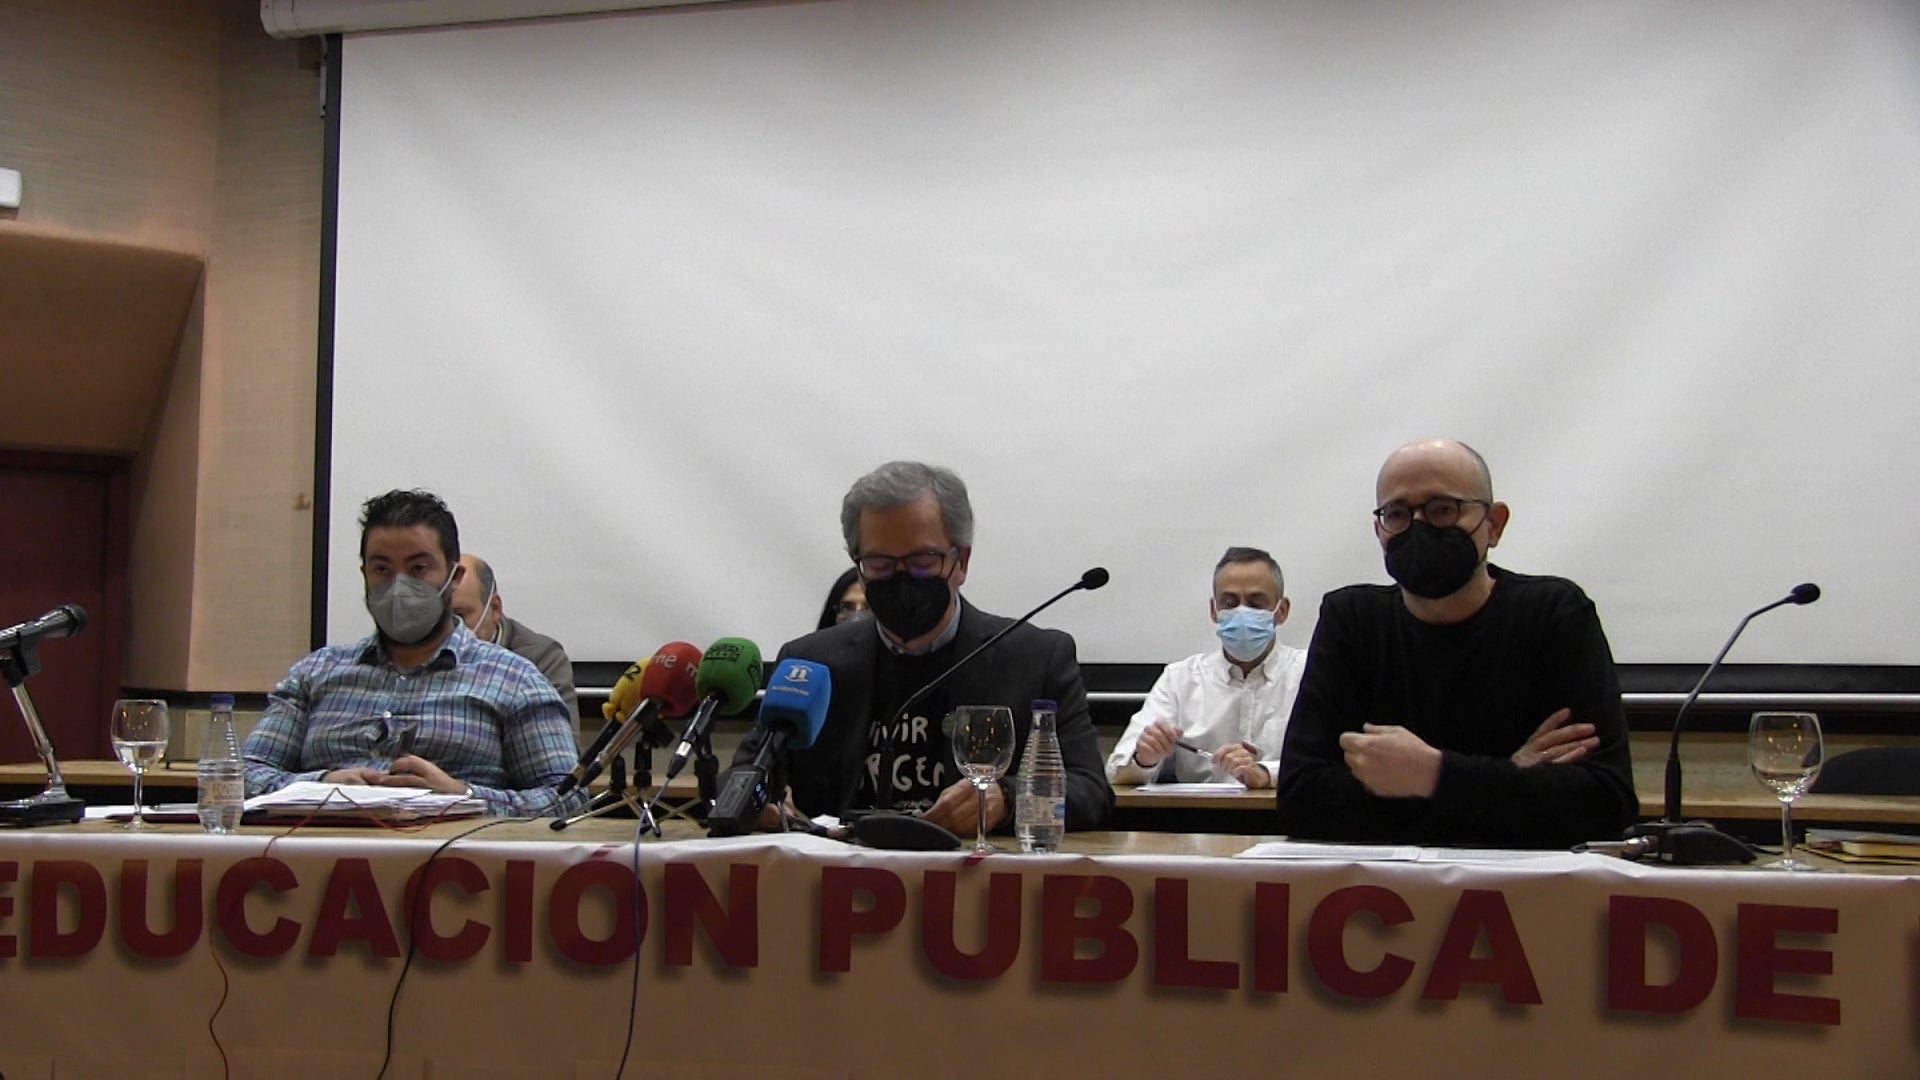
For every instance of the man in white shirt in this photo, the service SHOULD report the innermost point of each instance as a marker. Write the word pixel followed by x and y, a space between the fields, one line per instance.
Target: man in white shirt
pixel 1221 715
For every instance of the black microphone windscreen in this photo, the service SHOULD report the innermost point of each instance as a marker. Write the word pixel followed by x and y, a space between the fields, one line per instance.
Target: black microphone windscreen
pixel 1098 576
pixel 1805 593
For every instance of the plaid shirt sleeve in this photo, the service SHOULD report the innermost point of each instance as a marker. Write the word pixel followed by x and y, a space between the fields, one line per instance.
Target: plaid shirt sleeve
pixel 273 749
pixel 537 751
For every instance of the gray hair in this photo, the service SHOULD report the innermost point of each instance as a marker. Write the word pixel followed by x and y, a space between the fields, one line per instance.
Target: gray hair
pixel 900 483
pixel 1252 554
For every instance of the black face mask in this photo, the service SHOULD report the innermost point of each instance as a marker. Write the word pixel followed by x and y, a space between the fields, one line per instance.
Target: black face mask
pixel 1430 562
pixel 908 606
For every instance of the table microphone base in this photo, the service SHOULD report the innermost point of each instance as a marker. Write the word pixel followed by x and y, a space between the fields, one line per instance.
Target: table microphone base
pixel 43 809
pixel 902 832
pixel 1692 843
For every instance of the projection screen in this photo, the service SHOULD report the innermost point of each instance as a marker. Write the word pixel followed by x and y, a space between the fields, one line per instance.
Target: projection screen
pixel 641 295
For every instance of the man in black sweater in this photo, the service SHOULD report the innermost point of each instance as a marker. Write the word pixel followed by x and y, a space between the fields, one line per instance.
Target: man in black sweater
pixel 1467 705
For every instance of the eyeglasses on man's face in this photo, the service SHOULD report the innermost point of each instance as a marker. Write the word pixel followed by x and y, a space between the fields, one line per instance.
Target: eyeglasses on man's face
pixel 918 564
pixel 1441 512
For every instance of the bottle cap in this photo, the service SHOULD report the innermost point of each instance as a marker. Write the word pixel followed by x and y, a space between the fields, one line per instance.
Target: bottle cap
pixel 221 701
pixel 1043 705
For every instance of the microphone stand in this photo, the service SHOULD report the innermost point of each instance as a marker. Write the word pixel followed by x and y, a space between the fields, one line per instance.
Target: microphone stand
pixel 706 770
pixel 887 830
pixel 1697 843
pixel 622 795
pixel 18 663
pixel 883 792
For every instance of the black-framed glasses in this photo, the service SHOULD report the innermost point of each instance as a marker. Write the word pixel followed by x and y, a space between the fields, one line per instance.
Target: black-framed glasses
pixel 1441 512
pixel 919 564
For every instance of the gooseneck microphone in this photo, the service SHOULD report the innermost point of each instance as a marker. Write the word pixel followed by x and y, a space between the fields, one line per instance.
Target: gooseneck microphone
pixel 20 661
pixel 63 621
pixel 1686 843
pixel 1092 579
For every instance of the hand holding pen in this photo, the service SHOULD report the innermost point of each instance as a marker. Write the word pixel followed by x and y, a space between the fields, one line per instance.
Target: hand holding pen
pixel 1192 749
pixel 1240 761
pixel 1237 761
pixel 1158 741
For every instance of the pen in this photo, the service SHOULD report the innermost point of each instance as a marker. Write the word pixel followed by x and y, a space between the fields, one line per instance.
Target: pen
pixel 1189 747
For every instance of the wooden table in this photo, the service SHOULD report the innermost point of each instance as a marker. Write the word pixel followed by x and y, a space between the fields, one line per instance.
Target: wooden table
pixel 1718 787
pixel 109 782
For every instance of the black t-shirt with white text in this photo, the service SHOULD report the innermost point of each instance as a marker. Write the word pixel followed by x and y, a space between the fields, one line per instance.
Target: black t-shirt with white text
pixel 918 748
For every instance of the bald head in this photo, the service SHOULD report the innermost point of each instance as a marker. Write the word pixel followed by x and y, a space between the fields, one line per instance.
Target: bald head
pixel 1444 484
pixel 1445 461
pixel 476 598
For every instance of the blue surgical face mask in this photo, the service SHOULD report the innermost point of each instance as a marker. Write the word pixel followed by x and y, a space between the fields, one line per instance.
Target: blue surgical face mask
pixel 1245 632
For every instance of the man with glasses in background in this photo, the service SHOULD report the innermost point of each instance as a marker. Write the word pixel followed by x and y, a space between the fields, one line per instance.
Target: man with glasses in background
pixel 1466 704
pixel 909 530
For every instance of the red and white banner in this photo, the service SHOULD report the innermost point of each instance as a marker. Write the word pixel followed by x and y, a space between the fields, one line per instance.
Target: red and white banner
pixel 798 956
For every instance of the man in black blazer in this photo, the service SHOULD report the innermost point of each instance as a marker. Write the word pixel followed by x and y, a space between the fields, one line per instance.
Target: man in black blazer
pixel 909 528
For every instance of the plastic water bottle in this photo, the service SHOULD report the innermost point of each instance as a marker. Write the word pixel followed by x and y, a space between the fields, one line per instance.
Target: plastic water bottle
pixel 1040 814
pixel 223 779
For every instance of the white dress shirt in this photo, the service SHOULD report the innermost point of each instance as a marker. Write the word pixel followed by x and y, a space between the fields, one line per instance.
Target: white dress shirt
pixel 1215 705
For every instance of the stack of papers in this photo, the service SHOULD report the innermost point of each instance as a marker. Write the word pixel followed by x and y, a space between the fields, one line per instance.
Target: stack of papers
pixel 312 799
pixel 1225 787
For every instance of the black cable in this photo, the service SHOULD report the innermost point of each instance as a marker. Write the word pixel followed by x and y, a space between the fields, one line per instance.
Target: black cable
pixel 633 995
pixel 413 936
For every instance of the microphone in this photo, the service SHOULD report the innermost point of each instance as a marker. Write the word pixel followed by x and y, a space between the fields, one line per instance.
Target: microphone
pixel 624 694
pixel 621 700
pixel 63 621
pixel 665 689
pixel 1092 579
pixel 792 714
pixel 1693 843
pixel 726 682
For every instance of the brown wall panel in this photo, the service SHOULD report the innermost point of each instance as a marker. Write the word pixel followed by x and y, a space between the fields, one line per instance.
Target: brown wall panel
pixel 65 544
pixel 182 129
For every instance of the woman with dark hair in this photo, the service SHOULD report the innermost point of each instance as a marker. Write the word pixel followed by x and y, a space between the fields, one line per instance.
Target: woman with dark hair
pixel 846 600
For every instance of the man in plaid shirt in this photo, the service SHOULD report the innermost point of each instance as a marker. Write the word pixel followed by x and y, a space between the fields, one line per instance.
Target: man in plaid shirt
pixel 422 702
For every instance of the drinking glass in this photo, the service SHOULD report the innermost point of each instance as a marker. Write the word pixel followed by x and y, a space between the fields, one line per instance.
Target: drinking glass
pixel 983 748
pixel 1785 751
pixel 139 740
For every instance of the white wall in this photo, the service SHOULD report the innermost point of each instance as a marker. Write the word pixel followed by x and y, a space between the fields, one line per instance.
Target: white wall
pixel 642 294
